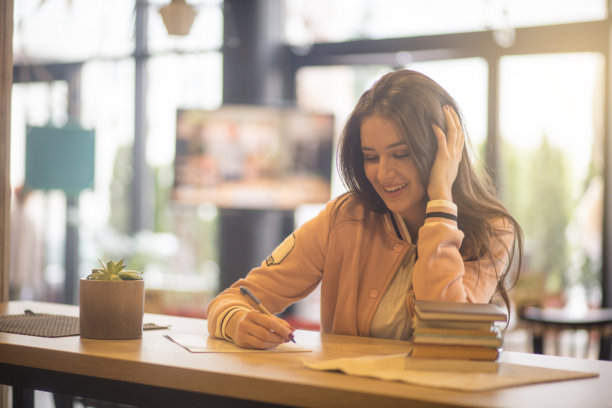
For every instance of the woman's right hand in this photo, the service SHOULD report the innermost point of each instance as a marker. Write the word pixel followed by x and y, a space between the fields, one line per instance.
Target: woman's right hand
pixel 255 330
pixel 448 156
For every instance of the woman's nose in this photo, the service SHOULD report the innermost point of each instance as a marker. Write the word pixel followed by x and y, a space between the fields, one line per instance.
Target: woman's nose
pixel 385 170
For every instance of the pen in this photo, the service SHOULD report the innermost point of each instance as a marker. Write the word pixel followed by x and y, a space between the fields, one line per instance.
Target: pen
pixel 247 293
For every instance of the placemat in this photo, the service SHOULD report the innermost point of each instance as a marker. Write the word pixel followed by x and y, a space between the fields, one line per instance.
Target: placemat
pixel 48 325
pixel 392 368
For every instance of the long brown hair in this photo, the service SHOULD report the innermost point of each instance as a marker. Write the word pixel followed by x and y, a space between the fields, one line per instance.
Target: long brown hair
pixel 413 102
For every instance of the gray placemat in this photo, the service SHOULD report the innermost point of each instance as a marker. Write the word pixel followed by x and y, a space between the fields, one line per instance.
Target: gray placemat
pixel 48 325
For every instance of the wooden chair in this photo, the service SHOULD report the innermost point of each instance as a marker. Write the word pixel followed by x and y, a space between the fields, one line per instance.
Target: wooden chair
pixel 556 320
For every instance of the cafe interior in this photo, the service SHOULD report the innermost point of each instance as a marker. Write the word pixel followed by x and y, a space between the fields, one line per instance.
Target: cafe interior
pixel 190 137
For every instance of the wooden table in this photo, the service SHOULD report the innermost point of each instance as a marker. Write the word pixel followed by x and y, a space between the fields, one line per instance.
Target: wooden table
pixel 153 371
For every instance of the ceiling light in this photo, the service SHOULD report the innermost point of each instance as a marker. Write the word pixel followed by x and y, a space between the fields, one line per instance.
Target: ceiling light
pixel 178 17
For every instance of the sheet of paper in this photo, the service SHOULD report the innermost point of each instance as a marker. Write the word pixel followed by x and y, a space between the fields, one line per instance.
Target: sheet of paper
pixel 202 343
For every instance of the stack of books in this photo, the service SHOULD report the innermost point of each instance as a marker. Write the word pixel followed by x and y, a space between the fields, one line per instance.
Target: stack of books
pixel 457 333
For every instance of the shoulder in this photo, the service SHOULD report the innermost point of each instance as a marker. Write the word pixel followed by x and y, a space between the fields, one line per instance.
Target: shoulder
pixel 348 208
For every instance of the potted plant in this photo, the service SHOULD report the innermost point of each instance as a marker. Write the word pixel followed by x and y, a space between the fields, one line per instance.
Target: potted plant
pixel 111 302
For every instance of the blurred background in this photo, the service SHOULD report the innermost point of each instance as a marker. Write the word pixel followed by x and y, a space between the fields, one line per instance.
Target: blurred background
pixel 197 143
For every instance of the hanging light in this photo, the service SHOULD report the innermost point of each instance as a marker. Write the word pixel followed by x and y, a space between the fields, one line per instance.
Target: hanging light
pixel 178 17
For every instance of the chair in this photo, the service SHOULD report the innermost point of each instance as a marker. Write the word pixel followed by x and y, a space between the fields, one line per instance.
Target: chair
pixel 556 320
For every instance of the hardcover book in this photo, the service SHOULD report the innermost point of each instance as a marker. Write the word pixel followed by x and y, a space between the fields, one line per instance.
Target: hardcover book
pixel 491 339
pixel 447 351
pixel 455 311
pixel 460 331
pixel 450 324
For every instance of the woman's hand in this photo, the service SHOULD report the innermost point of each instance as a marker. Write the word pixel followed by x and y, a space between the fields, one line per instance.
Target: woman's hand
pixel 446 164
pixel 256 330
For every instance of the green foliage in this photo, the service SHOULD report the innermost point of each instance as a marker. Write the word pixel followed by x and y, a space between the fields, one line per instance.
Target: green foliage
pixel 537 191
pixel 114 271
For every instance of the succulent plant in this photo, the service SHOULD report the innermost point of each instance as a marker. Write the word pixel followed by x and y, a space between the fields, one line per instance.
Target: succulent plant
pixel 114 271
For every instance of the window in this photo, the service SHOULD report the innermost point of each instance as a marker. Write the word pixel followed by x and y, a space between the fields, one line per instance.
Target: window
pixel 552 168
pixel 310 21
pixel 182 72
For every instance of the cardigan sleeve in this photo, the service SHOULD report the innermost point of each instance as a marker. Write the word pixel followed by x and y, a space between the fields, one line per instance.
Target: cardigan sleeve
pixel 290 273
pixel 440 272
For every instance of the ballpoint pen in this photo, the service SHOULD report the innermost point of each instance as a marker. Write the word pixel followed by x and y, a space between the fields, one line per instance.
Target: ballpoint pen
pixel 250 296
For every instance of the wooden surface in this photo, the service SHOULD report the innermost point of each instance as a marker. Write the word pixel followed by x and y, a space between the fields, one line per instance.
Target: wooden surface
pixel 279 378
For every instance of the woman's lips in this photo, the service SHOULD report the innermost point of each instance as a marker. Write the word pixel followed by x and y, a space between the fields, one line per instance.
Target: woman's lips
pixel 392 191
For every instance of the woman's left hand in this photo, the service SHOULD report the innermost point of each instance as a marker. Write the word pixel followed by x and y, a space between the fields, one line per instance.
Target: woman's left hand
pixel 446 164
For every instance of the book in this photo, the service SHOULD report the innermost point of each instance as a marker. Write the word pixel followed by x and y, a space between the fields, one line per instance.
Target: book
pixel 458 340
pixel 447 324
pixel 456 311
pixel 450 331
pixel 454 352
pixel 438 364
pixel 492 338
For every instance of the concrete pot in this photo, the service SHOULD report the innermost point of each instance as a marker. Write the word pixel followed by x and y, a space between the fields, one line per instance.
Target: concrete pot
pixel 111 310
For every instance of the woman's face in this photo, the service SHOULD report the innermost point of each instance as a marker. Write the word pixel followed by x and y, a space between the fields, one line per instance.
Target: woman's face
pixel 390 168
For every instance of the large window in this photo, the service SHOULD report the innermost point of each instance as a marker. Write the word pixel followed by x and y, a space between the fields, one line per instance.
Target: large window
pixel 551 116
pixel 182 72
pixel 311 21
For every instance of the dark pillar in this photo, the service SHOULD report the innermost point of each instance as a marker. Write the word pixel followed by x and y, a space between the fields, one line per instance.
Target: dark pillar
pixel 254 72
pixel 254 58
pixel 248 237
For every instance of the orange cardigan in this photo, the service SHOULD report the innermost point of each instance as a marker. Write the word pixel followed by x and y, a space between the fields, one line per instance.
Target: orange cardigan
pixel 354 253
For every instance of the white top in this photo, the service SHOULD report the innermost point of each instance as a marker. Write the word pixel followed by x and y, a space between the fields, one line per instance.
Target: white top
pixel 393 319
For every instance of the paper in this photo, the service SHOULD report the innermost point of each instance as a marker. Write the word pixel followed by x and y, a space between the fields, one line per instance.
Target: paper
pixel 392 368
pixel 202 343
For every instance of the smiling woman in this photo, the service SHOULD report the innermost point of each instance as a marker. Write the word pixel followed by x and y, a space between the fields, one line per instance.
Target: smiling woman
pixel 404 160
pixel 421 114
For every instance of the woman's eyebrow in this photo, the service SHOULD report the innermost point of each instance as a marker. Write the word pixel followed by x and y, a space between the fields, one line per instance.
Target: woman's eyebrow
pixel 396 144
pixel 391 146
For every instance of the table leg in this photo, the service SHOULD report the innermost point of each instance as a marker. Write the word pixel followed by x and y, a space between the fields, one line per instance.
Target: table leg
pixel 23 397
pixel 62 401
pixel 605 345
pixel 538 339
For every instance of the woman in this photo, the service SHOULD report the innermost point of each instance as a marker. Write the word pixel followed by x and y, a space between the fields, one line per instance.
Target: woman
pixel 416 222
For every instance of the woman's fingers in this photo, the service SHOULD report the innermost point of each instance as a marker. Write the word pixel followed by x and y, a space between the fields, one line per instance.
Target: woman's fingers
pixel 452 120
pixel 451 128
pixel 448 156
pixel 441 138
pixel 260 331
pixel 279 328
pixel 455 137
